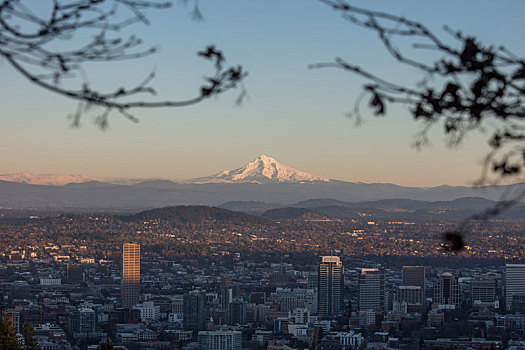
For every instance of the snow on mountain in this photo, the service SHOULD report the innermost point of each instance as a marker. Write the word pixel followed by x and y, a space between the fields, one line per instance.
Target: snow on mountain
pixel 264 169
pixel 61 180
pixel 46 179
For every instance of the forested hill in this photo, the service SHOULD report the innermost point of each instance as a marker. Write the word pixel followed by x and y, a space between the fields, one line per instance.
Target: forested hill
pixel 195 214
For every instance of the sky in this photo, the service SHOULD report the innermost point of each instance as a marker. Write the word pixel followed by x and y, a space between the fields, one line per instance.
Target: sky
pixel 292 113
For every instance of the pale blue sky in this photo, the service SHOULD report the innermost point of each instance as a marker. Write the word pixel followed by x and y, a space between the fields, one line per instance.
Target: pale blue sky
pixel 293 114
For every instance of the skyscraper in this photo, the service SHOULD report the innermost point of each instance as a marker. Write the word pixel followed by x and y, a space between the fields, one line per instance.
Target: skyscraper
pixel 237 311
pixel 130 288
pixel 514 282
pixel 412 292
pixel 446 292
pixel 330 286
pixel 371 283
pixel 194 312
pixel 414 276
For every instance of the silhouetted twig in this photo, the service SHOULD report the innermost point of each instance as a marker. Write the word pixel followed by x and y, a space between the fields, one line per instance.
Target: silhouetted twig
pixel 474 87
pixel 479 87
pixel 28 42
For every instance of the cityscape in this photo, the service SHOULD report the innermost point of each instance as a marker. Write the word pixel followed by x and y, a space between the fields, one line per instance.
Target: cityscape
pixel 209 278
pixel 262 175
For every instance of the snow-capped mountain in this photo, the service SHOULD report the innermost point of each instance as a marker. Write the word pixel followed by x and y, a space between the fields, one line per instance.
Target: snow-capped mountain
pixel 264 169
pixel 46 179
pixel 61 180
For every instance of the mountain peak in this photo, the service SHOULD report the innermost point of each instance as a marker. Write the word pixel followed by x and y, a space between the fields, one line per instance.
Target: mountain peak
pixel 266 158
pixel 263 169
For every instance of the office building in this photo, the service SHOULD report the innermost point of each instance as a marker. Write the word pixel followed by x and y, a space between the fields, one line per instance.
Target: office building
pixel 220 340
pixel 194 312
pixel 313 280
pixel 86 320
pixel 414 276
pixel 237 312
pixel 330 286
pixel 483 291
pixel 130 288
pixel 371 284
pixel 518 303
pixel 412 295
pixel 74 273
pixel 82 321
pixel 446 292
pixel 514 282
pixel 148 311
pixel 226 297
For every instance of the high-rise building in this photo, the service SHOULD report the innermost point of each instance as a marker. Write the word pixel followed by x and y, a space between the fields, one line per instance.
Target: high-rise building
pixel 220 340
pixel 330 286
pixel 237 311
pixel 514 282
pixel 483 291
pixel 82 321
pixel 86 320
pixel 372 296
pixel 226 297
pixel 194 312
pixel 446 292
pixel 313 280
pixel 414 276
pixel 74 273
pixel 130 288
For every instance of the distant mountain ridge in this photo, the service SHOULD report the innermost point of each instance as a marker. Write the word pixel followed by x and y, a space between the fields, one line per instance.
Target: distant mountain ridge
pixel 46 179
pixel 103 196
pixel 264 182
pixel 397 204
pixel 194 213
pixel 62 180
pixel 392 209
pixel 263 169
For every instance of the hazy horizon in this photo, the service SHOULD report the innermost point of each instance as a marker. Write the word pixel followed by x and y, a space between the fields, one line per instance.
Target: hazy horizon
pixel 130 180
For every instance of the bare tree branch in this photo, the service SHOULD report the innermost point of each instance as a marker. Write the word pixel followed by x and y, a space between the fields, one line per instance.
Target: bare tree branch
pixel 28 42
pixel 474 87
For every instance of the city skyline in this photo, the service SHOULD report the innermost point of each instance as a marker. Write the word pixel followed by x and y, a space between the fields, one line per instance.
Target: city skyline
pixel 292 113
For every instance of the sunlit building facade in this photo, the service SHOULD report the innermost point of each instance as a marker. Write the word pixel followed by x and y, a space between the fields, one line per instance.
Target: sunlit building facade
pixel 130 288
pixel 330 286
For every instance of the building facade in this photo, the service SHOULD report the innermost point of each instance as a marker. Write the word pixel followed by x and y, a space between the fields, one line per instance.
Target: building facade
pixel 220 340
pixel 371 284
pixel 194 312
pixel 514 282
pixel 414 276
pixel 446 292
pixel 330 286
pixel 130 288
pixel 483 291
